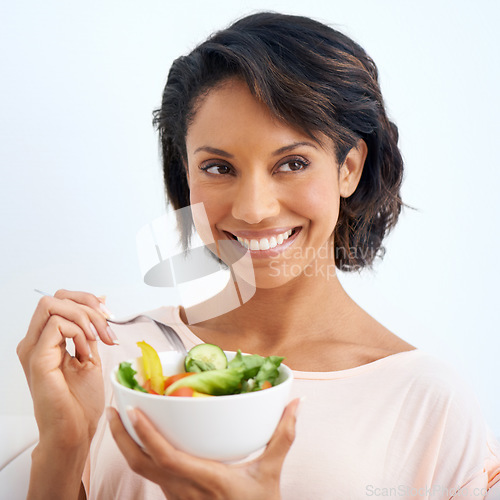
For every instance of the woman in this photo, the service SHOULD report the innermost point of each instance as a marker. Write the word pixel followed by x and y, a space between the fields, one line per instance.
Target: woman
pixel 277 126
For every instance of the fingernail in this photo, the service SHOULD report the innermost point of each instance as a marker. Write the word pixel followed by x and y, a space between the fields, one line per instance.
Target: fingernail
pixel 91 356
pixel 132 415
pixel 93 330
pixel 113 336
pixel 109 413
pixel 102 299
pixel 107 313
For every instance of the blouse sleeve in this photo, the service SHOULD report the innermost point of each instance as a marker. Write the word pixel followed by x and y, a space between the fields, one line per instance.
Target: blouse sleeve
pixel 441 446
pixel 468 454
pixel 486 474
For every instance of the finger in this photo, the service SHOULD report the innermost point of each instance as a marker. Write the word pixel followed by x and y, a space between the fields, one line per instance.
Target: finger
pixel 47 353
pixel 162 463
pixel 158 448
pixel 283 437
pixel 100 326
pixel 137 459
pixel 93 305
pixel 88 299
pixel 59 329
pixel 48 306
pixel 95 352
pixel 169 458
pixel 83 316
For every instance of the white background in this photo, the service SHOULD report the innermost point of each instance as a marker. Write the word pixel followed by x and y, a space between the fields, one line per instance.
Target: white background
pixel 80 172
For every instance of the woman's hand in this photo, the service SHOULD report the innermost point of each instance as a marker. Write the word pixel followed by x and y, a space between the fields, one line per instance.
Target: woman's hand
pixel 67 391
pixel 182 476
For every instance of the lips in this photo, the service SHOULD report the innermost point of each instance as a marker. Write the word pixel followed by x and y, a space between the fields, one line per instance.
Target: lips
pixel 266 243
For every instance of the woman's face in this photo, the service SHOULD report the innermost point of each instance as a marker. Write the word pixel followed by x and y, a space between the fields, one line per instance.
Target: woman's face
pixel 259 181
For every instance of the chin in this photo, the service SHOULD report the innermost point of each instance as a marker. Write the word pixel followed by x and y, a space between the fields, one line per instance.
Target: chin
pixel 268 278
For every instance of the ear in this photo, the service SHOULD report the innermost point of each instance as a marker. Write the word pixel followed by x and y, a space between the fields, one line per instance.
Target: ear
pixel 352 168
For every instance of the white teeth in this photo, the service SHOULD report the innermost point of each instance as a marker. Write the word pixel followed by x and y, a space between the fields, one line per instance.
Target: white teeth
pixel 254 245
pixel 265 243
pixel 242 241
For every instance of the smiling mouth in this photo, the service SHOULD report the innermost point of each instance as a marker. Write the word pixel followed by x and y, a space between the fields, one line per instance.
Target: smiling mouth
pixel 265 243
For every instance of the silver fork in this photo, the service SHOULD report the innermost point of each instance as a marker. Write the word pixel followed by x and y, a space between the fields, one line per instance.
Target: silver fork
pixel 167 330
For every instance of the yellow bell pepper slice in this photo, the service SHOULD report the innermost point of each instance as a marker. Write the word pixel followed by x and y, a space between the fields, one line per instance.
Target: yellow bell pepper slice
pixel 197 394
pixel 152 367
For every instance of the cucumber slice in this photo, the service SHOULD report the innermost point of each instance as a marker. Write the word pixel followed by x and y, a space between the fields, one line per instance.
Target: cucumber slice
pixel 204 357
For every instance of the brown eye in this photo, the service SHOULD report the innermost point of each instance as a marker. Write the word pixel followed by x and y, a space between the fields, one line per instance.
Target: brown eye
pixel 216 169
pixel 294 165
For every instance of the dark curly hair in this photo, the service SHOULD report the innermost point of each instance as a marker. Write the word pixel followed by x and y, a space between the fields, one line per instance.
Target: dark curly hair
pixel 309 76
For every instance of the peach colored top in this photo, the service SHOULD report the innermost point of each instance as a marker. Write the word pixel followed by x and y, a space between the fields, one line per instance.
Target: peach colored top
pixel 403 426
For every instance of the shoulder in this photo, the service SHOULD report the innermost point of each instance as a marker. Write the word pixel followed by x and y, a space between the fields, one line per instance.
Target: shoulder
pixel 438 423
pixel 436 393
pixel 432 376
pixel 426 390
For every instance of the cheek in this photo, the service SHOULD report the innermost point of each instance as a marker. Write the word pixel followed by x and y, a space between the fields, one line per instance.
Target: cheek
pixel 320 203
pixel 213 206
pixel 195 195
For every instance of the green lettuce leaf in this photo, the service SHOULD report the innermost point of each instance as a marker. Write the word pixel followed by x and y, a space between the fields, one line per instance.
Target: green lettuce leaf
pixel 268 371
pixel 125 376
pixel 257 368
pixel 249 364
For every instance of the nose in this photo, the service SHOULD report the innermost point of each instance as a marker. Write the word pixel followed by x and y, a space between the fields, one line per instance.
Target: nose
pixel 255 199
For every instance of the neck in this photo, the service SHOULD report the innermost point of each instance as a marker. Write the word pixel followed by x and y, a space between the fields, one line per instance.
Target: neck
pixel 313 306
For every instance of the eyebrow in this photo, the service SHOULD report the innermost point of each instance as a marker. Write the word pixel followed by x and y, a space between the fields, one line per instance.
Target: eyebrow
pixel 214 151
pixel 284 149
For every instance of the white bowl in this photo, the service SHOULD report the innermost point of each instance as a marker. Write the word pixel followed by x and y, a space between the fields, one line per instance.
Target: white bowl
pixel 224 428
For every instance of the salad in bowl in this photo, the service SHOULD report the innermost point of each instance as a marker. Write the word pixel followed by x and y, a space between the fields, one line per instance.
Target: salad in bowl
pixel 215 404
pixel 209 371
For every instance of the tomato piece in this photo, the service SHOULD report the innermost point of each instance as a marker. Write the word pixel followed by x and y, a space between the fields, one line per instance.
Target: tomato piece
pixel 266 384
pixel 147 386
pixel 183 391
pixel 174 378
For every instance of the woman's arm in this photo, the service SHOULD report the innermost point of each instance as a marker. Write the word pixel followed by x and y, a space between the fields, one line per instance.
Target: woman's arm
pixel 57 474
pixel 67 391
